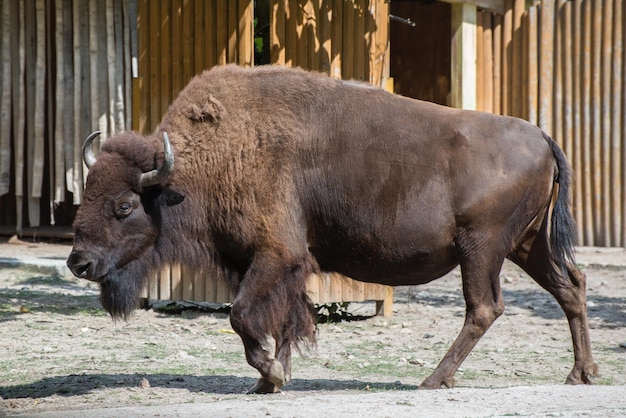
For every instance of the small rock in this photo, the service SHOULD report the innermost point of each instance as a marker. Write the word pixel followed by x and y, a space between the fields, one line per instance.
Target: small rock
pixel 623 345
pixel 417 362
pixel 144 383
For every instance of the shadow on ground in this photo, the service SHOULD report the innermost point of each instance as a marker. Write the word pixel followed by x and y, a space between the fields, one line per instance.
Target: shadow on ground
pixel 78 385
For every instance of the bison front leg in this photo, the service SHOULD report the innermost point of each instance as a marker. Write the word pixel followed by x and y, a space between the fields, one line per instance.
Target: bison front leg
pixel 260 354
pixel 270 313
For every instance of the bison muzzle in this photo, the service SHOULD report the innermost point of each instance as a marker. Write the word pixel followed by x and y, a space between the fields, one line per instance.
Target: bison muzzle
pixel 271 174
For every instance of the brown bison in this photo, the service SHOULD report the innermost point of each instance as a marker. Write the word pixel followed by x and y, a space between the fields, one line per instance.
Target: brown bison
pixel 269 174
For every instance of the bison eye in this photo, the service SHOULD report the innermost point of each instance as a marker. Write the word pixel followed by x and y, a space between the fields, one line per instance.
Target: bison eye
pixel 124 209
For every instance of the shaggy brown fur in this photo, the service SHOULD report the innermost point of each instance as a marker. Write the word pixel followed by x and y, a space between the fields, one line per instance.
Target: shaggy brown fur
pixel 279 173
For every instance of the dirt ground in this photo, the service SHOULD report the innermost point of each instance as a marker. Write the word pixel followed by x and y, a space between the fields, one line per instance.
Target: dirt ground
pixel 61 355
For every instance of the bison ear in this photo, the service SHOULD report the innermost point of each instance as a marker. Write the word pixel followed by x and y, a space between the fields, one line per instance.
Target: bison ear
pixel 171 197
pixel 210 111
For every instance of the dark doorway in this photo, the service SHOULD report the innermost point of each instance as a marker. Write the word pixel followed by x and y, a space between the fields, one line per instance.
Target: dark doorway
pixel 420 54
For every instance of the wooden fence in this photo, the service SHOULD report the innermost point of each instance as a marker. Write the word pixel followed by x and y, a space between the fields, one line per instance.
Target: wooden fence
pixel 64 74
pixel 347 39
pixel 560 65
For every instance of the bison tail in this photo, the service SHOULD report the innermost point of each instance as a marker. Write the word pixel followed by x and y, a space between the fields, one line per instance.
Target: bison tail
pixel 563 230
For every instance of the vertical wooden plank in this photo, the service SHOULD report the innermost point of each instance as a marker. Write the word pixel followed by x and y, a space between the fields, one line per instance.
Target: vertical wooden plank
pixel 596 122
pixel 232 24
pixel 360 14
pixel 5 96
pixel 160 286
pixel 463 60
pixel 245 33
pixel 336 288
pixel 307 45
pixel 347 289
pixel 210 22
pixel 177 81
pixel 617 151
pixel 378 27
pixel 487 68
pixel 80 16
pixel 222 32
pixel 347 67
pixel 589 237
pixel 325 31
pixel 60 86
pixel 175 280
pixel 291 33
pixel 200 286
pixel 568 65
pixel 519 7
pixel 336 57
pixel 606 57
pixel 199 30
pixel 578 201
pixel 497 64
pixel 557 93
pixel 186 284
pixel 223 291
pixel 546 65
pixel 188 40
pixel 166 61
pixel 313 288
pixel 480 61
pixel 507 57
pixel 143 35
pixel 155 67
pixel 533 67
pixel 277 31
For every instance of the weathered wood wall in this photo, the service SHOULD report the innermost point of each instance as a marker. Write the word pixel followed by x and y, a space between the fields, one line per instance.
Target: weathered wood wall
pixel 64 73
pixel 560 64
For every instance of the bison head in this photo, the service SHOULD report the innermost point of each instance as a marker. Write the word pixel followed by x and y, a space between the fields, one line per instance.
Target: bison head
pixel 118 223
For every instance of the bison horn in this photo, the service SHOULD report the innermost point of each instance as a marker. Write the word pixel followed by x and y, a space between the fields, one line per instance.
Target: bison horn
pixel 153 177
pixel 88 156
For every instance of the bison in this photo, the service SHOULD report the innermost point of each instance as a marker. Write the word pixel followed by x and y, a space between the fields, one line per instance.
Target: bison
pixel 267 175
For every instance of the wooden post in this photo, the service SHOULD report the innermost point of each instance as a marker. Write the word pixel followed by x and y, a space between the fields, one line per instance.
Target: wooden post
pixel 463 72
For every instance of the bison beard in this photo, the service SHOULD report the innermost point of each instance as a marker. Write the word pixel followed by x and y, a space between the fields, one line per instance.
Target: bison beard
pixel 121 289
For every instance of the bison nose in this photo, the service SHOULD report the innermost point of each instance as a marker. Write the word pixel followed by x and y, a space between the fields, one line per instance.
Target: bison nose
pixel 79 264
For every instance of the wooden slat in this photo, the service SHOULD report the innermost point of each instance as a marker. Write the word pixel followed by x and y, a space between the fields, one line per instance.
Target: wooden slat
pixel 165 42
pixel 199 29
pixel 605 124
pixel 578 201
pixel 506 58
pixel 347 67
pixel 5 97
pixel 233 26
pixel 277 31
pixel 336 57
pixel 618 206
pixel 360 14
pixel 497 64
pixel 517 99
pixel 245 35
pixel 596 141
pixel 222 31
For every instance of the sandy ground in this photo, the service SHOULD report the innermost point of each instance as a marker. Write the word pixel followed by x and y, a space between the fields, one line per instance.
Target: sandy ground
pixel 62 356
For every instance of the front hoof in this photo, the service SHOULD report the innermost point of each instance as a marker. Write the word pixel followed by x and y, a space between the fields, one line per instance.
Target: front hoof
pixel 583 377
pixel 431 384
pixel 264 386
